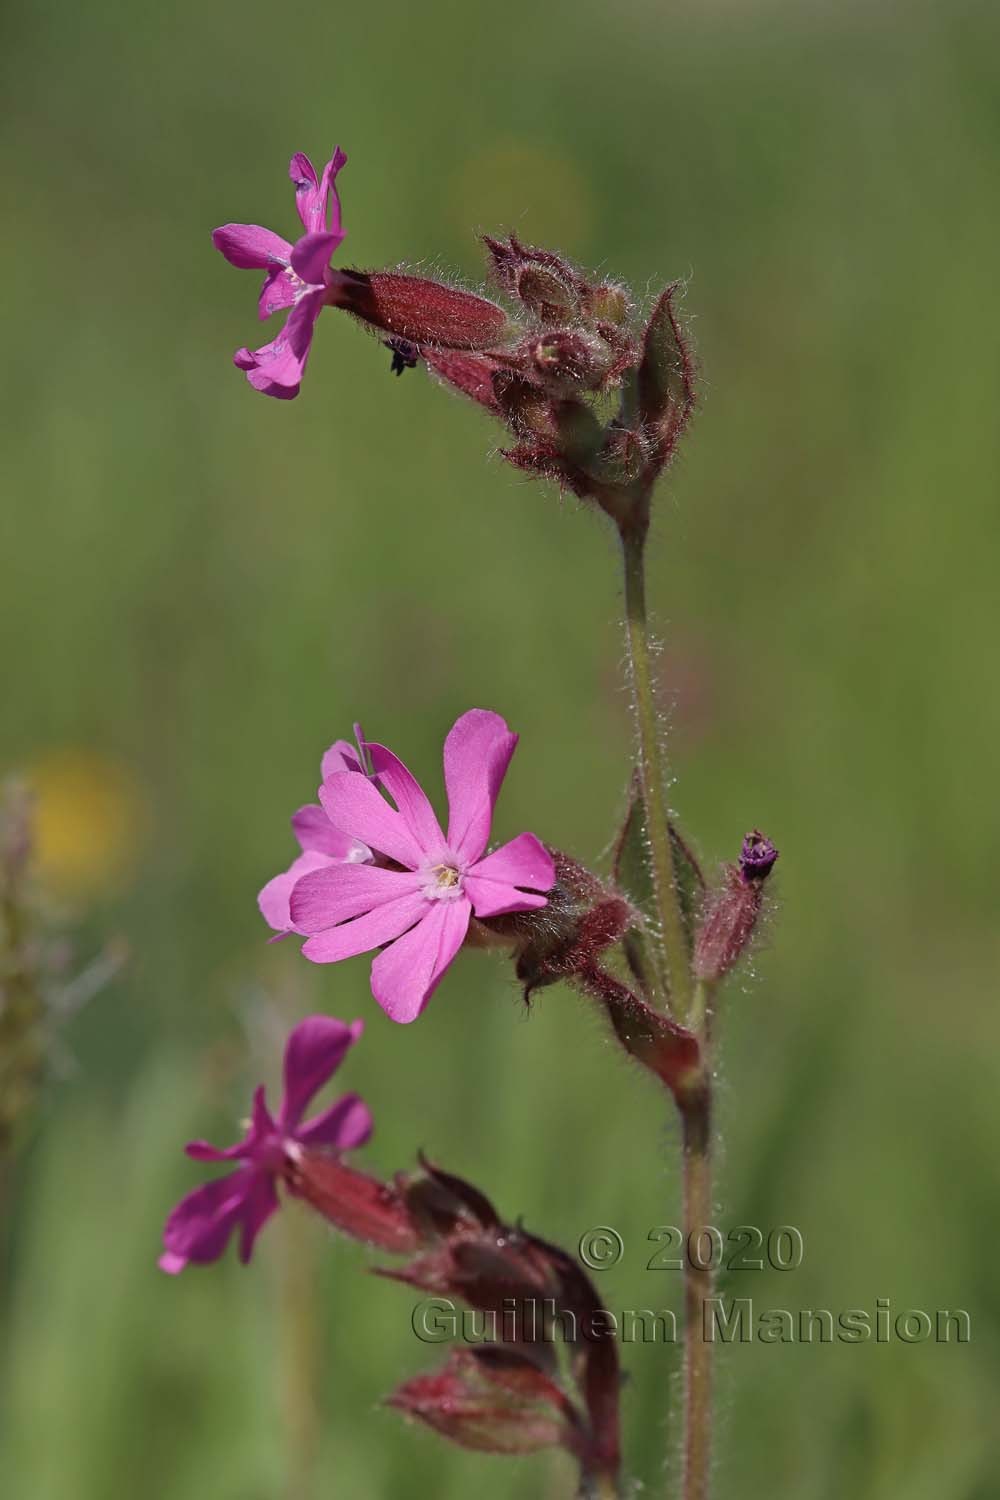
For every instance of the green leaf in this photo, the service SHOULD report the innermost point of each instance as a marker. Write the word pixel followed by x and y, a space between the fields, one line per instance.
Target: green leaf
pixel 633 876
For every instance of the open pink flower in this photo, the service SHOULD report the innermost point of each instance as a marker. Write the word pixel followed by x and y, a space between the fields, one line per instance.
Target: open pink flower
pixel 200 1226
pixel 298 276
pixel 320 842
pixel 415 902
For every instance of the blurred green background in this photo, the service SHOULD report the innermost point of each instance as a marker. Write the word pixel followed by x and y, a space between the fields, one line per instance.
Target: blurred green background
pixel 202 588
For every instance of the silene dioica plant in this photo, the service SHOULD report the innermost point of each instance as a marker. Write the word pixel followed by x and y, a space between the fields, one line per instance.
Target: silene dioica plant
pixel 597 401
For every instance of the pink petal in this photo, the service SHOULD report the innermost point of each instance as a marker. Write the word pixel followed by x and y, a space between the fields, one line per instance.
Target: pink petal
pixel 339 892
pixel 314 830
pixel 251 247
pixel 311 195
pixel 491 898
pixel 406 974
pixel 277 368
pixel 260 1203
pixel 523 861
pixel 311 256
pixel 345 1125
pixel 314 1051
pixel 353 804
pixel 341 756
pixel 477 753
pixel 202 1151
pixel 199 1227
pixel 410 798
pixel 279 290
pixel 274 899
pixel 332 218
pixel 379 926
pixel 261 1125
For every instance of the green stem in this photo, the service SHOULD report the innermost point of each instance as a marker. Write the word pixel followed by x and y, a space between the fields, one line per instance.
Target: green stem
pixel 673 960
pixel 696 1114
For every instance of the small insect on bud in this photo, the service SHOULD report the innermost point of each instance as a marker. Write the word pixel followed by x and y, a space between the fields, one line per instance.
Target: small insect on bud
pixel 731 914
pixel 405 356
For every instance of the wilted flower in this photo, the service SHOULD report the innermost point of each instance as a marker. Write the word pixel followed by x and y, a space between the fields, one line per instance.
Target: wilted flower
pixel 200 1226
pixel 419 896
pixel 298 276
pixel 731 912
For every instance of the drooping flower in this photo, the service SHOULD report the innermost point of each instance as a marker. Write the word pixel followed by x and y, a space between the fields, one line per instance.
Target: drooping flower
pixel 298 276
pixel 416 900
pixel 199 1228
pixel 320 842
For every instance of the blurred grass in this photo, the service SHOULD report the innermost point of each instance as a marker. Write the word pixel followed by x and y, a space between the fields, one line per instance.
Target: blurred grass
pixel 202 588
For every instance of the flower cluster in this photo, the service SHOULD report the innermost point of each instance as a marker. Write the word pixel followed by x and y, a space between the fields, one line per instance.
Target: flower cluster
pixel 538 368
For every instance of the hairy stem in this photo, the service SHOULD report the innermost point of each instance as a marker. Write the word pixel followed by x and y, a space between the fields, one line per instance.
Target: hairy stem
pixel 674 965
pixel 696 1115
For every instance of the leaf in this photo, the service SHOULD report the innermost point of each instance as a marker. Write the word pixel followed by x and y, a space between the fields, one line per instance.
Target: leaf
pixel 633 875
pixel 666 373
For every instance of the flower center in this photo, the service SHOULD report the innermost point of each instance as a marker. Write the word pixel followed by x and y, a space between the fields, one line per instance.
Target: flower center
pixel 443 882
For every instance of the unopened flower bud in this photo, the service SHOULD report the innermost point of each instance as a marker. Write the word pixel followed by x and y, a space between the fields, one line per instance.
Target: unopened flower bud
pixel 468 373
pixel 540 278
pixel 419 310
pixel 731 914
pixel 607 303
pixel 581 919
pixel 569 360
pixel 549 295
pixel 525 406
pixel 466 1404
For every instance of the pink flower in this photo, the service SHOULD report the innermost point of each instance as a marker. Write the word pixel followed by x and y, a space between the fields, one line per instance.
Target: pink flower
pixel 200 1226
pixel 320 842
pixel 416 903
pixel 298 276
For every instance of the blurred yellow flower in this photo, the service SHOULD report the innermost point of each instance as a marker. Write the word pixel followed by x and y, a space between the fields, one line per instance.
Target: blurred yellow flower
pixel 534 190
pixel 91 818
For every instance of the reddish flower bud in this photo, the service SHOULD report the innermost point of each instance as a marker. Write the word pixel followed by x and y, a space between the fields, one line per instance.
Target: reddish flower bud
pixel 581 919
pixel 568 360
pixel 466 1404
pixel 420 310
pixel 542 280
pixel 731 914
pixel 443 1204
pixel 608 302
pixel 469 374
pixel 524 405
pixel 360 1206
pixel 550 296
